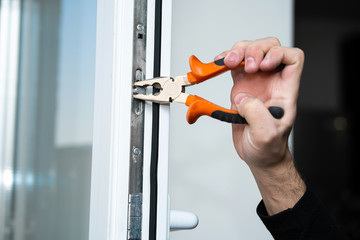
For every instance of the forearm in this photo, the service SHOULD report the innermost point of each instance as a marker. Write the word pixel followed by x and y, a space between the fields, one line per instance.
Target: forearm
pixel 289 211
pixel 280 186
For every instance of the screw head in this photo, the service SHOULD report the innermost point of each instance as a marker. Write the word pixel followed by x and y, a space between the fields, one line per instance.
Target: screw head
pixel 140 27
pixel 136 151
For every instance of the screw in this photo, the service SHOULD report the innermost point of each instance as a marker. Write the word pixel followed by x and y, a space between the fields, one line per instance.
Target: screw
pixel 140 27
pixel 136 151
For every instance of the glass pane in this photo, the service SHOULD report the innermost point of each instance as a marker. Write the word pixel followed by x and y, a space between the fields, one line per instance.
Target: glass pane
pixel 53 144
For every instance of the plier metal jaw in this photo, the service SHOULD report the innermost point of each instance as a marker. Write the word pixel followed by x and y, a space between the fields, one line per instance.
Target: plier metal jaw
pixel 167 90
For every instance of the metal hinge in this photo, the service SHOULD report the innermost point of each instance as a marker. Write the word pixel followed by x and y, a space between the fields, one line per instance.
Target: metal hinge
pixel 134 216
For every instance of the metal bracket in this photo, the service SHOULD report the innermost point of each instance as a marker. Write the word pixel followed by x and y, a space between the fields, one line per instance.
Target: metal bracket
pixel 134 217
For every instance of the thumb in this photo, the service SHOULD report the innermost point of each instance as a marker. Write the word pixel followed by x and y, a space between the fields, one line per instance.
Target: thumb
pixel 253 110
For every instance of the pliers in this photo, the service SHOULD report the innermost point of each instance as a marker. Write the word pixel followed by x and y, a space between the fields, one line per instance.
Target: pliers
pixel 168 89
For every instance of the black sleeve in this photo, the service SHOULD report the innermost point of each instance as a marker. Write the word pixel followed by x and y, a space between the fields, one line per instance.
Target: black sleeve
pixel 308 219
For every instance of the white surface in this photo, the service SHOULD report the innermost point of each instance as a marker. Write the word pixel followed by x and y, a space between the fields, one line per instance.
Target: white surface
pixel 163 167
pixel 109 193
pixel 111 144
pixel 162 209
pixel 206 176
pixel 182 220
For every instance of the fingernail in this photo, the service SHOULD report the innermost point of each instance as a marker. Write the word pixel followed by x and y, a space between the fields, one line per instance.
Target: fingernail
pixel 231 57
pixel 250 62
pixel 266 59
pixel 221 55
pixel 240 97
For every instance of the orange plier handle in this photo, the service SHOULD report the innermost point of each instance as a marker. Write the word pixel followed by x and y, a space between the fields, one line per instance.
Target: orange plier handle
pixel 199 106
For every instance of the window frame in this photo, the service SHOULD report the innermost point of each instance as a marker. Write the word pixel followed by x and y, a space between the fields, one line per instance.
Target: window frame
pixel 112 121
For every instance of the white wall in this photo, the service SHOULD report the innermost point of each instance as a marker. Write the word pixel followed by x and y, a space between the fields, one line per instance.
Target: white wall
pixel 206 176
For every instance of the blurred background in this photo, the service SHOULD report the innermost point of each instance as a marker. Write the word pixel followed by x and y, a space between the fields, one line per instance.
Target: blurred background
pixel 205 174
pixel 46 121
pixel 326 129
pixel 46 114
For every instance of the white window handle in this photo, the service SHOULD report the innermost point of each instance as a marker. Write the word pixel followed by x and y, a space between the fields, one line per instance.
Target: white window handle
pixel 182 220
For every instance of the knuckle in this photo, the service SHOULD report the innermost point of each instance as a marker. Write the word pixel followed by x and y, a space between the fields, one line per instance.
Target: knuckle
pixel 241 45
pixel 249 103
pixel 276 48
pixel 253 49
pixel 274 40
pixel 250 106
pixel 299 53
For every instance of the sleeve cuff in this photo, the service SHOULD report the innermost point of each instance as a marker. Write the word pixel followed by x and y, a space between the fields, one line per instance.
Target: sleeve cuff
pixel 292 221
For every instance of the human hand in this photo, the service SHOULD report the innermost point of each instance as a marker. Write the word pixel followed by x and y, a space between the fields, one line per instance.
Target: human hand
pixel 263 142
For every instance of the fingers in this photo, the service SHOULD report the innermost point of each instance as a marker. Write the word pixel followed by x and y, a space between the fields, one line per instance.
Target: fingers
pixel 293 59
pixel 234 56
pixel 266 55
pixel 285 55
pixel 237 54
pixel 221 55
pixel 255 52
pixel 253 110
pixel 263 54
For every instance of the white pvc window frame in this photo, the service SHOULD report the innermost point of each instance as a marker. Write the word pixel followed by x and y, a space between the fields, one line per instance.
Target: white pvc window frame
pixel 112 110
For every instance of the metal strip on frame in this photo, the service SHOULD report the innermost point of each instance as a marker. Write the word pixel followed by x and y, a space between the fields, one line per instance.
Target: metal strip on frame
pixel 137 123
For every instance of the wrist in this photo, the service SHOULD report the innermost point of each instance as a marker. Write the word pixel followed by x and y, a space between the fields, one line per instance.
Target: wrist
pixel 280 185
